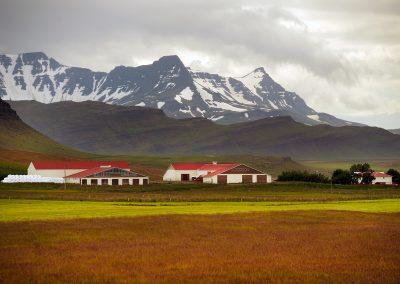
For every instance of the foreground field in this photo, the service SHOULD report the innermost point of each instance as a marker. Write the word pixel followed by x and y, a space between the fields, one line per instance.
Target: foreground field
pixel 20 210
pixel 292 246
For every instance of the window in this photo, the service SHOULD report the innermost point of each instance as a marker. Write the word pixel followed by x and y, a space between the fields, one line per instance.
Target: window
pixel 84 181
pixel 104 182
pixel 93 181
pixel 135 181
pixel 125 181
pixel 114 181
pixel 185 177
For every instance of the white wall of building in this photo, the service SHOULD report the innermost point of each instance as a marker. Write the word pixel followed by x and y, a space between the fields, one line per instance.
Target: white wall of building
pixel 52 173
pixel 79 181
pixel 386 180
pixel 175 175
pixel 234 178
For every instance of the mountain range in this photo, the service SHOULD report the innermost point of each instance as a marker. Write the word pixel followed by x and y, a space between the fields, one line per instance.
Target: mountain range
pixel 112 129
pixel 166 84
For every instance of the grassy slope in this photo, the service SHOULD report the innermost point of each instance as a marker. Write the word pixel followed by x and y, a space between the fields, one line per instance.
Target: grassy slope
pixel 329 166
pixel 23 210
pixel 148 131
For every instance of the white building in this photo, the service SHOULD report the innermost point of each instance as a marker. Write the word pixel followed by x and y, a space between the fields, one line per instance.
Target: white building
pixel 381 178
pixel 106 175
pixel 215 173
pixel 66 168
pixel 88 172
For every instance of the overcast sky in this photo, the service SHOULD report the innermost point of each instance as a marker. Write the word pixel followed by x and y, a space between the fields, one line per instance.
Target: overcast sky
pixel 342 56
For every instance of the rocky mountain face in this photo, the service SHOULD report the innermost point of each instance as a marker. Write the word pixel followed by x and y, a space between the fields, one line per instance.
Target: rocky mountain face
pixel 165 84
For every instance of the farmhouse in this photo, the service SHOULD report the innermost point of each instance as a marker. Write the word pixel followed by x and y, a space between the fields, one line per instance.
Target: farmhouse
pixel 89 172
pixel 381 178
pixel 215 173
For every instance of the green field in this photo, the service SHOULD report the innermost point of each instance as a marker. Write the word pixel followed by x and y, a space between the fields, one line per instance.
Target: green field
pixel 28 210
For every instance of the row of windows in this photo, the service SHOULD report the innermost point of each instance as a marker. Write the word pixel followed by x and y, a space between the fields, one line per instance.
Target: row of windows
pixel 125 181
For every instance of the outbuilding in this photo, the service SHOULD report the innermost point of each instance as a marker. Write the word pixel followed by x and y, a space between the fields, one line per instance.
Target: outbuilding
pixel 88 172
pixel 107 175
pixel 381 178
pixel 60 169
pixel 215 173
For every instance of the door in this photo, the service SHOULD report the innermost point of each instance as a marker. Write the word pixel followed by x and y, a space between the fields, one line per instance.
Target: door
pixel 114 181
pixel 84 182
pixel 93 181
pixel 185 177
pixel 125 181
pixel 222 179
pixel 145 181
pixel 135 181
pixel 247 178
pixel 104 181
pixel 262 179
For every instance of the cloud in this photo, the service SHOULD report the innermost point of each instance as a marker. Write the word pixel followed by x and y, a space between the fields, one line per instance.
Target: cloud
pixel 338 55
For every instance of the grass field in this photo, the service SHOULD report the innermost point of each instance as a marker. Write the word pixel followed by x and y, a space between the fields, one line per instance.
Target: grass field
pixel 21 210
pixel 291 246
pixel 282 232
pixel 328 167
pixel 199 192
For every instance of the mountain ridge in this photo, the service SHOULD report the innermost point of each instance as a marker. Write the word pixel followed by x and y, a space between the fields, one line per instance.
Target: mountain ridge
pixel 104 128
pixel 165 84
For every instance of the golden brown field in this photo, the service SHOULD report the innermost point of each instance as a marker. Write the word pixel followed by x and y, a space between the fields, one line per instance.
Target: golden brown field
pixel 302 246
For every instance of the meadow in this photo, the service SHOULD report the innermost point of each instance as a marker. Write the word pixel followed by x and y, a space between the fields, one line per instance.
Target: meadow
pixel 281 232
pixel 290 246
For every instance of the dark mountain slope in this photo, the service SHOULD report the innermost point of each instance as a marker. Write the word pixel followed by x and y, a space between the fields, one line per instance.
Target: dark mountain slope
pixel 15 135
pixel 102 128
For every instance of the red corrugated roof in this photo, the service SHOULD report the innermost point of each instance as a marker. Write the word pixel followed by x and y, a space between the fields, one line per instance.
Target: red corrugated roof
pixel 89 172
pixel 221 170
pixel 380 174
pixel 77 165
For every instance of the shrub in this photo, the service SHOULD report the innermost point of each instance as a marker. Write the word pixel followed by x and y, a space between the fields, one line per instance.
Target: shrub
pixel 340 176
pixel 303 176
pixel 395 175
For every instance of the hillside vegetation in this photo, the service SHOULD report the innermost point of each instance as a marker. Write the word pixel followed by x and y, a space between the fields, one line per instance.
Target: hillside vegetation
pixel 101 128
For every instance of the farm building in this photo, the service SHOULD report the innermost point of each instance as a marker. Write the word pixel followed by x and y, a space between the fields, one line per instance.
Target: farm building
pixel 381 178
pixel 215 173
pixel 88 172
pixel 66 168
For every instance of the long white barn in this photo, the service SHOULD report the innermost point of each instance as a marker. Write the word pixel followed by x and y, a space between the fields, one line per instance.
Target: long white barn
pixel 215 173
pixel 88 172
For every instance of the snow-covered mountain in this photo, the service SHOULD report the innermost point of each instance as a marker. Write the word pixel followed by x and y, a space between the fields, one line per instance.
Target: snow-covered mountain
pixel 165 84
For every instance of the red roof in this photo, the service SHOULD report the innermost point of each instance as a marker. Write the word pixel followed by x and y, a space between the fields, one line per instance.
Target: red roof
pixel 211 169
pixel 380 174
pixel 77 165
pixel 89 172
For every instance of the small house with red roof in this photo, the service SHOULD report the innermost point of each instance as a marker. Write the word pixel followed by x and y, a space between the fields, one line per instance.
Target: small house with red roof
pixel 381 178
pixel 215 173
pixel 89 172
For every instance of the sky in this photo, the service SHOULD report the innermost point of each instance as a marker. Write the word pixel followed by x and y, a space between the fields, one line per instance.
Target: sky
pixel 342 57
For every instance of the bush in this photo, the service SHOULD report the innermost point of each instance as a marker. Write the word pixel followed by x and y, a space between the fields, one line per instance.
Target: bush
pixel 340 176
pixel 303 176
pixel 395 175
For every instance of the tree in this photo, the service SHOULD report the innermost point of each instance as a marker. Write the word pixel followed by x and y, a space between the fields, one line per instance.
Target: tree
pixel 360 168
pixel 367 178
pixel 395 175
pixel 340 176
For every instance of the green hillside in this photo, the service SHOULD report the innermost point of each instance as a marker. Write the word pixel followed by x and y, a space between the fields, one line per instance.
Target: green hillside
pixel 111 129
